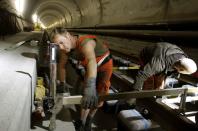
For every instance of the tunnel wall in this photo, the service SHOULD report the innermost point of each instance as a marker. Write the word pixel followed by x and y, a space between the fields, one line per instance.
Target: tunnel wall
pixel 10 21
pixel 78 13
pixel 138 11
pixel 96 12
pixel 81 13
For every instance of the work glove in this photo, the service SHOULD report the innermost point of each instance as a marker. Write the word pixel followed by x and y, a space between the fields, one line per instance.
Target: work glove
pixel 90 97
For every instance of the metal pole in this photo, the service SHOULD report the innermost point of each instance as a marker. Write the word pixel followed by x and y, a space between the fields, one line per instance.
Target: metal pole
pixel 53 72
pixel 53 69
pixel 182 106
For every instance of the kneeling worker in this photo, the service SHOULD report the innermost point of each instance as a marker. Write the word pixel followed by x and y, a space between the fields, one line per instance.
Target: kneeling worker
pixel 98 64
pixel 160 61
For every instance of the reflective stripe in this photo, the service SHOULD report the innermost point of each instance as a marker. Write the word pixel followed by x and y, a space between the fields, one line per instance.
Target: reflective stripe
pixel 100 61
pixel 53 54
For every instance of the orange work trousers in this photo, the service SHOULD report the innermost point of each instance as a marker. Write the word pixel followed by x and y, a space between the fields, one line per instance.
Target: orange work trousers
pixel 104 73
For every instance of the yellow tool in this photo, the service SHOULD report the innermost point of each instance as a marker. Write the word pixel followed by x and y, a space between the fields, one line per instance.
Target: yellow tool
pixel 40 89
pixel 126 68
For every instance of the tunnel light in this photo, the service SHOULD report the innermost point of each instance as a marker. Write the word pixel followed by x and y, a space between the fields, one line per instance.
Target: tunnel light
pixel 34 18
pixel 37 22
pixel 43 26
pixel 20 5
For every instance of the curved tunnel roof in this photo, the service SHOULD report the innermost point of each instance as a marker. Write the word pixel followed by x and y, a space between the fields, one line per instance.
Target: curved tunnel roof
pixel 84 13
pixel 64 10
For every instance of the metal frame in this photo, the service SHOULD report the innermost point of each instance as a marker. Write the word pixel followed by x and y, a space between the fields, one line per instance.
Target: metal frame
pixel 134 94
pixel 169 119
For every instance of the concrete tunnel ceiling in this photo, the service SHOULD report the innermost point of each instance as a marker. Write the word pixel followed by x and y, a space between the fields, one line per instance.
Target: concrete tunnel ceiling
pixel 51 12
pixel 53 9
pixel 66 8
pixel 49 18
pixel 79 13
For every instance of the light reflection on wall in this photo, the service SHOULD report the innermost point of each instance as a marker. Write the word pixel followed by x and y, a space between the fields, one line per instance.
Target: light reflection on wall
pixel 37 21
pixel 20 4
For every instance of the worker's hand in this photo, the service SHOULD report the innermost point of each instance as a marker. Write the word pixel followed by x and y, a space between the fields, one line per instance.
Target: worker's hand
pixel 90 98
pixel 60 88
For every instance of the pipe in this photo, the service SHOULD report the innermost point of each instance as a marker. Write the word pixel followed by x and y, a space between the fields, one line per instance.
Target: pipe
pixel 149 35
pixel 177 25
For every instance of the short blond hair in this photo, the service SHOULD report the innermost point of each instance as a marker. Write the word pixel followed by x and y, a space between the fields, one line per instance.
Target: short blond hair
pixel 58 31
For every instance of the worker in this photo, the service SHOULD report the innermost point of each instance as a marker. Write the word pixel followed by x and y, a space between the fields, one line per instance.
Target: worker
pixel 160 61
pixel 96 59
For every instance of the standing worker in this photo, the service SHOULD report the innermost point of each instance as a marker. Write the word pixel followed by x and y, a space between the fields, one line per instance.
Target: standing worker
pixel 160 61
pixel 95 57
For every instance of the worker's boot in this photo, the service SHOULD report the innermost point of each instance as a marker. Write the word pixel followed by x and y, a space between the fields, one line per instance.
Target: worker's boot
pixel 88 123
pixel 78 124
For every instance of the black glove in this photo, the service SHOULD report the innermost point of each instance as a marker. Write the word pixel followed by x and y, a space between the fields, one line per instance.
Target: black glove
pixel 90 98
pixel 173 74
pixel 61 88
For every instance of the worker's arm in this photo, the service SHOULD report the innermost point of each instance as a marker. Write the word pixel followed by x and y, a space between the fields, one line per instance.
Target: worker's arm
pixel 90 98
pixel 89 53
pixel 155 66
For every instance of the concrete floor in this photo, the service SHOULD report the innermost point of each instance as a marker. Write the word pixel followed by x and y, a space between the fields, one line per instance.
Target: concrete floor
pixel 67 114
pixel 63 122
pixel 103 120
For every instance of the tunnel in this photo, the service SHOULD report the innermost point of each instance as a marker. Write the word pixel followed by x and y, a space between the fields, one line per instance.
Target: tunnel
pixel 95 36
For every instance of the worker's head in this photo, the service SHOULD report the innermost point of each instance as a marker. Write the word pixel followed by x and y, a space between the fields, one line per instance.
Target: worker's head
pixel 185 66
pixel 63 38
